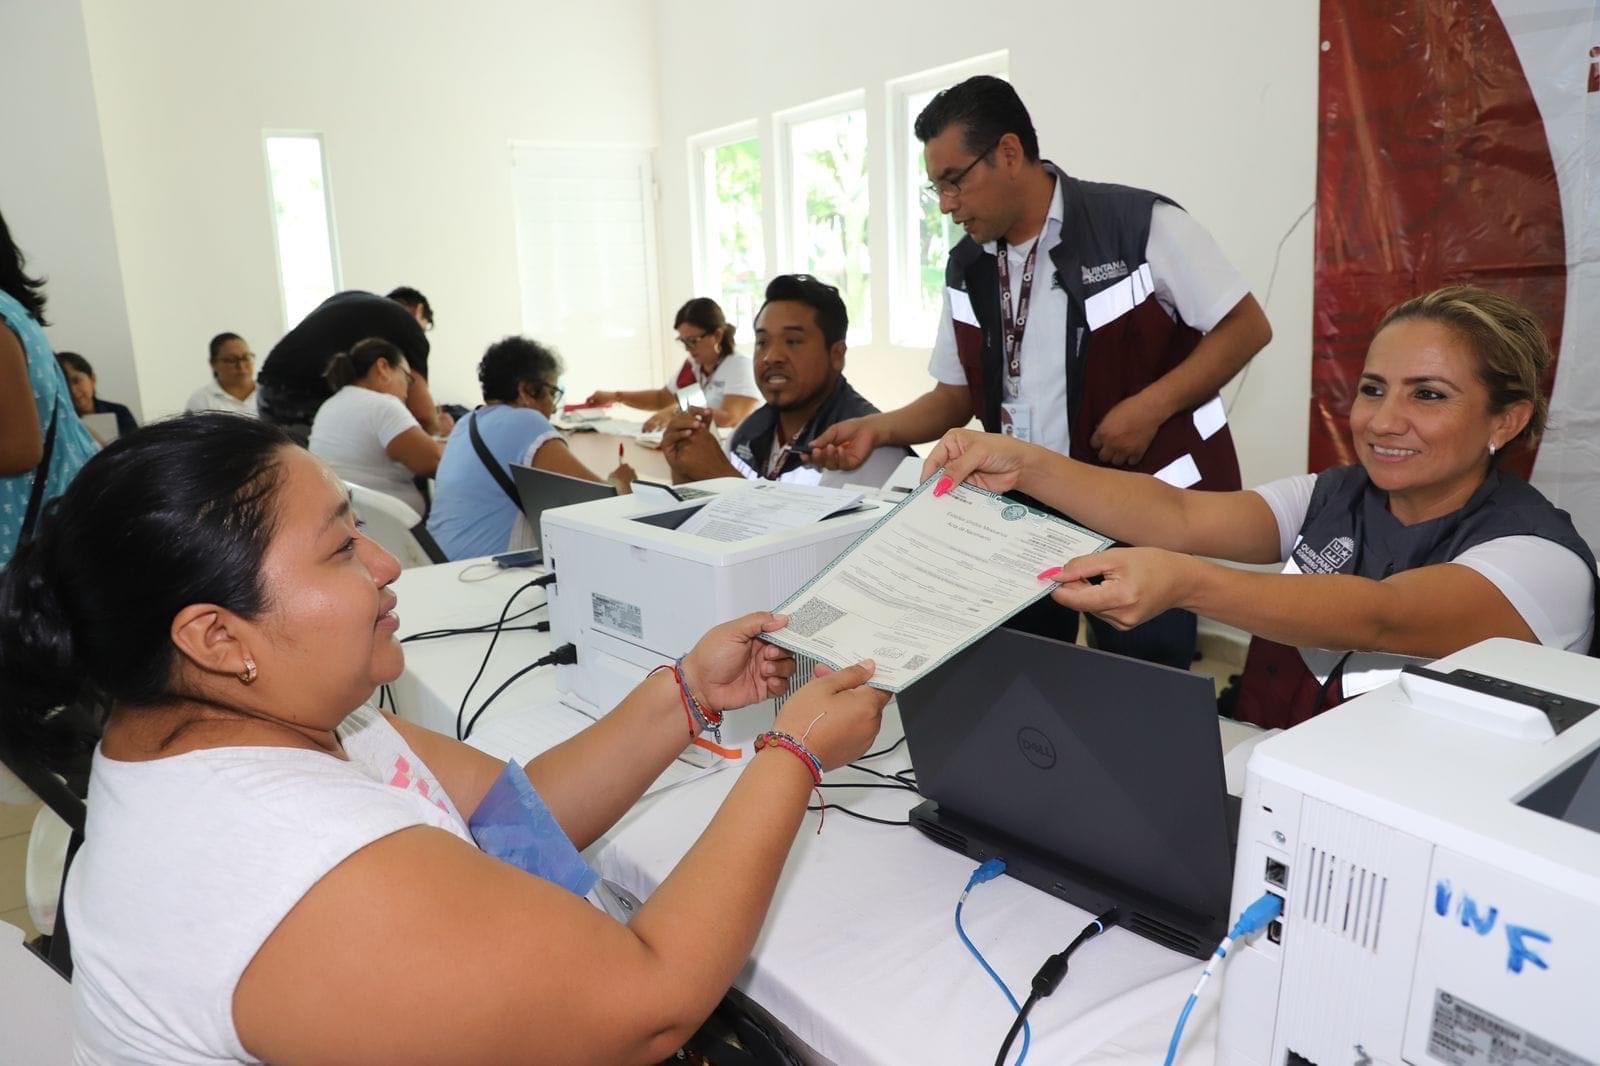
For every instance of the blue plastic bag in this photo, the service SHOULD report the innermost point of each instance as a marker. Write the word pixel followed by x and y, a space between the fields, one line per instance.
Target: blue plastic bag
pixel 514 825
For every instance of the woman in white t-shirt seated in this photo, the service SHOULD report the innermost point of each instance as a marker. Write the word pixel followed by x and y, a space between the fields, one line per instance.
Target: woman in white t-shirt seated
pixel 273 871
pixel 233 379
pixel 365 432
pixel 1425 547
pixel 726 378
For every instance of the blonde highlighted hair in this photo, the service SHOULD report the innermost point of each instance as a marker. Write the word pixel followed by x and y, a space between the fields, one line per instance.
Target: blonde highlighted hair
pixel 1514 357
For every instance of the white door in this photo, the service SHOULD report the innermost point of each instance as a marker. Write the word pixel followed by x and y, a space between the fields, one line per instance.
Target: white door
pixel 587 258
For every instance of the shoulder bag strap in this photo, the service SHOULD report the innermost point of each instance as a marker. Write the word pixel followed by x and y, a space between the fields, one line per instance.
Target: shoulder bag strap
pixel 41 475
pixel 491 464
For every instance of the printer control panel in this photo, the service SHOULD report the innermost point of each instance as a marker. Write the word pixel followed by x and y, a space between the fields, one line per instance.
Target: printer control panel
pixel 1563 711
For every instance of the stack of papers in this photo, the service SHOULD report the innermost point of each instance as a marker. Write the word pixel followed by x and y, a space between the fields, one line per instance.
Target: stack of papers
pixel 597 422
pixel 931 577
pixel 766 507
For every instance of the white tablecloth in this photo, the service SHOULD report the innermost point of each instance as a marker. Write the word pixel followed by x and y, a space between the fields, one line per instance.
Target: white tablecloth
pixel 859 956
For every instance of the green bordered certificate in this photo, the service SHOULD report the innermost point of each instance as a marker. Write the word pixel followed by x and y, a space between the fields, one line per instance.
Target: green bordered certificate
pixel 931 577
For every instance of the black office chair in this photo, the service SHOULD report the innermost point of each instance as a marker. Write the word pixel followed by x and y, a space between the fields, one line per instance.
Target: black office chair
pixel 65 798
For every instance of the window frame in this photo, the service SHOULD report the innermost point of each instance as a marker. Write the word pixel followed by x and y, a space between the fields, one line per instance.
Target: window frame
pixel 699 146
pixel 788 221
pixel 905 328
pixel 334 259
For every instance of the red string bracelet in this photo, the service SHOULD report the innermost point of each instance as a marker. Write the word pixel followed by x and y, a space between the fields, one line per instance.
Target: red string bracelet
pixel 776 739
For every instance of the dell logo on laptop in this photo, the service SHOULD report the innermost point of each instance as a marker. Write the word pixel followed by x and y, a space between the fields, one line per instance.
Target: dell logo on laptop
pixel 1036 747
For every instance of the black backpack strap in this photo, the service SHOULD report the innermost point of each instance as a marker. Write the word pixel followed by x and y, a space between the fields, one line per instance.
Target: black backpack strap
pixel 491 464
pixel 430 547
pixel 41 474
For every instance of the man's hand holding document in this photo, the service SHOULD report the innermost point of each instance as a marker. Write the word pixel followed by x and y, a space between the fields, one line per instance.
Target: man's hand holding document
pixel 931 577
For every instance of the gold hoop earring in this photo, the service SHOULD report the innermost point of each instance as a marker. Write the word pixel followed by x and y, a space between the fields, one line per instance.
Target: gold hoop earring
pixel 248 674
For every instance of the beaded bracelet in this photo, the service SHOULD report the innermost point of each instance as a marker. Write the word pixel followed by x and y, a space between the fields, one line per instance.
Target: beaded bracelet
pixel 775 739
pixel 711 719
pixel 699 720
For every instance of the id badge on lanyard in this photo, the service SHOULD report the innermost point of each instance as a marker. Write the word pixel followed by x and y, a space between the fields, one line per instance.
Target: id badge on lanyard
pixel 1016 420
pixel 1016 416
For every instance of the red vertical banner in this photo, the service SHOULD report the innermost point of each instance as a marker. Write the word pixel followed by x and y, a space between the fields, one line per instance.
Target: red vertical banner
pixel 1433 168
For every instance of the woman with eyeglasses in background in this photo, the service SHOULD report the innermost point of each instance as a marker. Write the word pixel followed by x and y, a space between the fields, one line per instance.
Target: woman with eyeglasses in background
pixel 366 433
pixel 233 384
pixel 474 513
pixel 727 378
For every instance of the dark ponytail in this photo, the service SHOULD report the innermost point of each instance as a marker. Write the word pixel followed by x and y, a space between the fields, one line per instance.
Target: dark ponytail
pixel 347 368
pixel 178 513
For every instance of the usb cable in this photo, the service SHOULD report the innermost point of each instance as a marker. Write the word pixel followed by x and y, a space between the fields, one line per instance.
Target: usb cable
pixel 1254 918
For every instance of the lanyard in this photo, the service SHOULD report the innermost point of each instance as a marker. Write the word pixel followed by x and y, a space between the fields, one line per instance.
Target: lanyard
pixel 779 456
pixel 1012 328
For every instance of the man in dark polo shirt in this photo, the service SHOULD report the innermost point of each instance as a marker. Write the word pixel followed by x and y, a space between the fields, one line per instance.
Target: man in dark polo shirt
pixel 290 386
pixel 799 367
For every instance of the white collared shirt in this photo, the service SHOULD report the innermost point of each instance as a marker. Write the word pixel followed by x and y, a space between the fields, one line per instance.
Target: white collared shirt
pixel 214 397
pixel 734 375
pixel 1191 276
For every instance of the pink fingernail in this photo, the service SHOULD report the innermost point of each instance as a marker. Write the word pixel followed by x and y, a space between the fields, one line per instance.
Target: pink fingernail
pixel 1050 574
pixel 944 486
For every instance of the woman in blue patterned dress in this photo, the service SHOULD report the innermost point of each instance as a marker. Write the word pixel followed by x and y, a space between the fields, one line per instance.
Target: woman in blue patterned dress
pixel 40 434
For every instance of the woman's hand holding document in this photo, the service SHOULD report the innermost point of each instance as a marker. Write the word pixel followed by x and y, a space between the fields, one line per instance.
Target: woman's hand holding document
pixel 931 577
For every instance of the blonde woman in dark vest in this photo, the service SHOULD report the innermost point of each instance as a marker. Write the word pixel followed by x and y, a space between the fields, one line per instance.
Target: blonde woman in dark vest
pixel 1424 547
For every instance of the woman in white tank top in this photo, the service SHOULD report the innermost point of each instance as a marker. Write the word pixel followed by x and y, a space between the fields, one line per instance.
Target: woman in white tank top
pixel 273 872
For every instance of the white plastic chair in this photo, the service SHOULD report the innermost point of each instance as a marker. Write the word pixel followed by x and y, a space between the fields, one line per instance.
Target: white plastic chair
pixel 395 526
pixel 48 844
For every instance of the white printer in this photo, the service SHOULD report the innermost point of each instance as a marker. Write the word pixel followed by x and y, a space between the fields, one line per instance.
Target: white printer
pixel 1437 845
pixel 633 592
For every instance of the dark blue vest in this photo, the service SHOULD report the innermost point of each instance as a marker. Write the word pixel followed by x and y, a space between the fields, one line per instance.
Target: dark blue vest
pixel 1348 530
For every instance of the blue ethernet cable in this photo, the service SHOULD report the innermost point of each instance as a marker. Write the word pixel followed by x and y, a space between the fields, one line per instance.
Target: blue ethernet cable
pixel 1254 918
pixel 988 872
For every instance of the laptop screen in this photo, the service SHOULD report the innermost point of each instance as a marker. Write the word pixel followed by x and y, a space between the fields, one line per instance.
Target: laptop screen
pixel 1112 764
pixel 541 490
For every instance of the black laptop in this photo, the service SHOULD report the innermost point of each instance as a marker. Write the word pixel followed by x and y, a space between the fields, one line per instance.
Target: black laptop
pixel 1097 778
pixel 541 490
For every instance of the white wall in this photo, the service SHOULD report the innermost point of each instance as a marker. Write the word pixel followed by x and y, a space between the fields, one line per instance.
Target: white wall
pixel 1213 104
pixel 417 102
pixel 53 189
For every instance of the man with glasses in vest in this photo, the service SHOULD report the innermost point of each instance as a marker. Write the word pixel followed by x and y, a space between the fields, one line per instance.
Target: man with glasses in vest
pixel 1097 320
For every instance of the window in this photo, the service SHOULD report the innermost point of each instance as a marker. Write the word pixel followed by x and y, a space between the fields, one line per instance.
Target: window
pixel 921 236
pixel 586 258
pixel 731 266
pixel 927 235
pixel 302 216
pixel 826 153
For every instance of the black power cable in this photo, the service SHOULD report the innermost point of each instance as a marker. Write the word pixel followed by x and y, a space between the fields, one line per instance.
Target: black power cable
pixel 435 634
pixel 538 582
pixel 440 634
pixel 1050 975
pixel 857 814
pixel 565 655
pixel 882 751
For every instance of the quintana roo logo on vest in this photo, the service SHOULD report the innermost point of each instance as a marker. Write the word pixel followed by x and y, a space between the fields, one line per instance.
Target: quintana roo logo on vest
pixel 1105 272
pixel 1327 561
